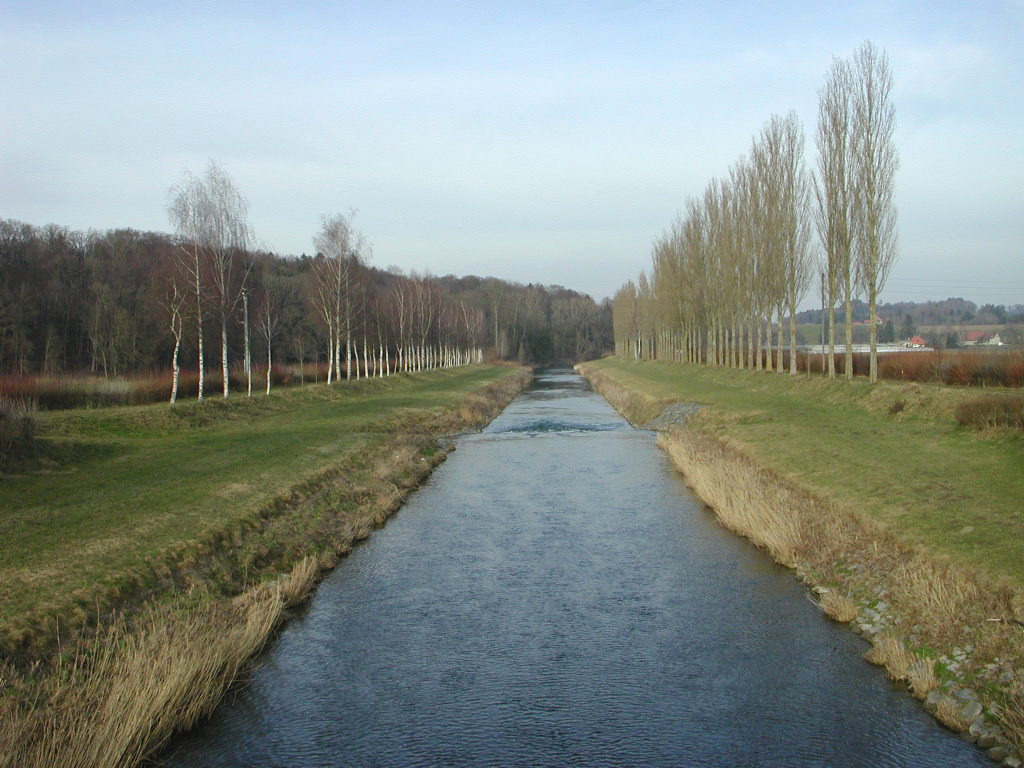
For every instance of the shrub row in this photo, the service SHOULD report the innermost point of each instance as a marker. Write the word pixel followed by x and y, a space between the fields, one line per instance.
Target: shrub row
pixel 53 393
pixel 992 411
pixel 960 367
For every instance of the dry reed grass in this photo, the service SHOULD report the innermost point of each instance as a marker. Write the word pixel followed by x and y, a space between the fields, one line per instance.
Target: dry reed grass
pixel 921 677
pixel 296 588
pixel 949 715
pixel 992 412
pixel 840 607
pixel 1011 715
pixel 889 652
pixel 745 498
pixel 136 686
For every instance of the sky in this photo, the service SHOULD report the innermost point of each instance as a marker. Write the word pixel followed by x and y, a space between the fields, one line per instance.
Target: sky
pixel 537 142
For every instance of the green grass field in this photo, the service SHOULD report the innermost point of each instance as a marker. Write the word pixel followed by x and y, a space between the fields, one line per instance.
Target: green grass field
pixel 127 483
pixel 953 490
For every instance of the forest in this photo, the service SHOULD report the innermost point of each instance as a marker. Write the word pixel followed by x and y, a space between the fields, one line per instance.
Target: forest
pixel 116 303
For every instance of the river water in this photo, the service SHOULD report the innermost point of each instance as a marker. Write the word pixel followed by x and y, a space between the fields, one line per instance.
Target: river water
pixel 555 596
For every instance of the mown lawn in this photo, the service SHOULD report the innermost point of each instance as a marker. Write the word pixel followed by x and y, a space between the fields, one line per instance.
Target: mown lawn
pixel 130 482
pixel 951 489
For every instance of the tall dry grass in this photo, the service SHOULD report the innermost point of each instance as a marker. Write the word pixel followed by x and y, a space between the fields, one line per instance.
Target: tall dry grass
pixel 889 652
pixel 744 497
pixel 1011 715
pixel 948 606
pixel 921 678
pixel 949 715
pixel 992 412
pixel 839 606
pixel 131 688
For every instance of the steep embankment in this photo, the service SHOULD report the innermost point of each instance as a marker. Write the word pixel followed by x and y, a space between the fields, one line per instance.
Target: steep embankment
pixel 904 525
pixel 172 542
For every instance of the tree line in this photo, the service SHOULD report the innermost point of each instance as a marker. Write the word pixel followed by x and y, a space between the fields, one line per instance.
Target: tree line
pixel 206 297
pixel 728 274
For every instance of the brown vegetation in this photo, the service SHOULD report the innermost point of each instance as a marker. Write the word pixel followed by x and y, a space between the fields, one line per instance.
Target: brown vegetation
pixel 921 677
pixel 837 605
pixel 129 691
pixel 51 393
pixel 949 715
pixel 889 652
pixel 1011 715
pixel 992 412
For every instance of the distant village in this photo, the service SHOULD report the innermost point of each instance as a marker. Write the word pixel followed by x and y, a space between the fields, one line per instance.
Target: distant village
pixel 953 323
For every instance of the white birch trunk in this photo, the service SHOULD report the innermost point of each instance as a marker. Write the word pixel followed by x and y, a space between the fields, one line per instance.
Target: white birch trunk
pixel 175 367
pixel 224 355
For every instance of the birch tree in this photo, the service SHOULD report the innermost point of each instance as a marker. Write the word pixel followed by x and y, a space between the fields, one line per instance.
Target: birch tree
pixel 268 319
pixel 228 238
pixel 187 214
pixel 335 274
pixel 211 218
pixel 176 309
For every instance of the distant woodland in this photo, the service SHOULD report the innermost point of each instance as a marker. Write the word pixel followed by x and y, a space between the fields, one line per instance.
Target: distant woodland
pixel 107 303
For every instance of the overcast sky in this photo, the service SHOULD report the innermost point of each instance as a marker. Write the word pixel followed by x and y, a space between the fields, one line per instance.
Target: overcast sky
pixel 537 142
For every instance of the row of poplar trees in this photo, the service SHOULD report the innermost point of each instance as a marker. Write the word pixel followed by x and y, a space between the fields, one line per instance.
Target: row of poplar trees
pixel 737 261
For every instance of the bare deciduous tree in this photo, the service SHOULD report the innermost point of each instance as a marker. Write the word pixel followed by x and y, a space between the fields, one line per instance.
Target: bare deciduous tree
pixel 211 218
pixel 834 193
pixel 336 274
pixel 176 309
pixel 875 162
pixel 268 318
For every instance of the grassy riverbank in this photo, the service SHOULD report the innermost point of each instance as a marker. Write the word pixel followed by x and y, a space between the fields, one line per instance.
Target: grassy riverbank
pixel 155 545
pixel 904 522
pixel 949 489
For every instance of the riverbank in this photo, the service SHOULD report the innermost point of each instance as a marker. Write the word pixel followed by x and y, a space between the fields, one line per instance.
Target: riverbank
pixel 904 524
pixel 175 541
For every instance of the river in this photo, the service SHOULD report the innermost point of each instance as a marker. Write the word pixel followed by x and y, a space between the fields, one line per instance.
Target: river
pixel 555 596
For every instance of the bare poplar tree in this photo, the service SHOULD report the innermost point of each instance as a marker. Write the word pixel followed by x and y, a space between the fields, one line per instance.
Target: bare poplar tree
pixel 834 193
pixel 875 161
pixel 794 221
